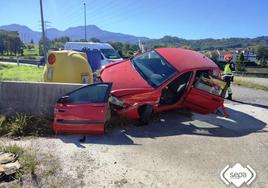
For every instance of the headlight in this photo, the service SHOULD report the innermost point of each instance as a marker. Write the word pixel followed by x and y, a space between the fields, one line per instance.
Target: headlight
pixel 117 102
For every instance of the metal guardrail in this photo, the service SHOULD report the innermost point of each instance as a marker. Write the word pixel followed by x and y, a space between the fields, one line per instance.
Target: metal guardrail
pixel 23 61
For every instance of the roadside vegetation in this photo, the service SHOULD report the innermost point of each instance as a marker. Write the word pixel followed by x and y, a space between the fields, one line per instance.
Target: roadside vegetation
pixel 242 81
pixel 37 169
pixel 21 73
pixel 257 69
pixel 23 125
pixel 26 158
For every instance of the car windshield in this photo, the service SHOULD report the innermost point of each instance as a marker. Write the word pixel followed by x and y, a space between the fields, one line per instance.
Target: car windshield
pixel 110 53
pixel 153 68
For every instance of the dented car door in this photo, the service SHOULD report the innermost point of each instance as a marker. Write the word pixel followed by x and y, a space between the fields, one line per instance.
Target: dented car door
pixel 83 111
pixel 206 94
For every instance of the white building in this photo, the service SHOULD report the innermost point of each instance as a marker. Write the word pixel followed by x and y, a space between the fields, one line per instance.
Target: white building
pixel 223 52
pixel 248 56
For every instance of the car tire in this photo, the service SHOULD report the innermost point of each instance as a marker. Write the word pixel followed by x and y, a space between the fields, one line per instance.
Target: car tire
pixel 145 113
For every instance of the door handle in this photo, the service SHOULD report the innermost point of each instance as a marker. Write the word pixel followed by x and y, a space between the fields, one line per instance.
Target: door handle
pixel 59 110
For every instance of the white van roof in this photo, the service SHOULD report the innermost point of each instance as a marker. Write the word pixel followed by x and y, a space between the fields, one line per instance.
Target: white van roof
pixel 92 45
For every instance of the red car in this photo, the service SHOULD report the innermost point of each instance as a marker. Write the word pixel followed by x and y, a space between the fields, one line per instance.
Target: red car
pixel 155 81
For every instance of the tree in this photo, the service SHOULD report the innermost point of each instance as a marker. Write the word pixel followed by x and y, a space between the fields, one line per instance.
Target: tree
pixel 10 42
pixel 82 40
pixel 41 45
pixel 214 56
pixel 118 46
pixel 58 43
pixel 262 55
pixel 240 62
pixel 94 39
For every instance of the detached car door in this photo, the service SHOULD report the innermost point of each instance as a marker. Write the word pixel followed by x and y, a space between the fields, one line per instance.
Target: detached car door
pixel 206 94
pixel 83 111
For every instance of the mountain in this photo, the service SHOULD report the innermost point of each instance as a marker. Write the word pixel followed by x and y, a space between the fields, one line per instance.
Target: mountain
pixel 75 33
pixel 26 34
pixel 208 44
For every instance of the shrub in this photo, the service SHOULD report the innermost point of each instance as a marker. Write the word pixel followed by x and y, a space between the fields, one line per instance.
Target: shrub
pixel 12 148
pixel 18 125
pixel 4 129
pixel 23 125
pixel 29 162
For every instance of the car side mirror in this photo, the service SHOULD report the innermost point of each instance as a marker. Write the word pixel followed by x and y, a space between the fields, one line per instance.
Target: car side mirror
pixel 64 99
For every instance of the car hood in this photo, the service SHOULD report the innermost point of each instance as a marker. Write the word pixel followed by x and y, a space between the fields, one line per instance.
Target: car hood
pixel 124 78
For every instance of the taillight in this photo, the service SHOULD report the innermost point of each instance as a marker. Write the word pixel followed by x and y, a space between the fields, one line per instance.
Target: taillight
pixel 51 59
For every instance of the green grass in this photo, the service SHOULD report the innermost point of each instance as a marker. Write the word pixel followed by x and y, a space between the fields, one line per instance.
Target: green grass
pixel 21 73
pixel 12 148
pixel 250 84
pixel 27 158
pixel 31 52
pixel 23 125
pixel 257 70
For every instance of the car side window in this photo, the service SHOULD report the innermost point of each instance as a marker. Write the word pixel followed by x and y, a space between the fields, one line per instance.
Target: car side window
pixel 207 80
pixel 97 93
pixel 173 92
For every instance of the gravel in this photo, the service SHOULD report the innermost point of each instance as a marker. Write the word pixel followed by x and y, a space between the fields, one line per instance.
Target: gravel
pixel 181 151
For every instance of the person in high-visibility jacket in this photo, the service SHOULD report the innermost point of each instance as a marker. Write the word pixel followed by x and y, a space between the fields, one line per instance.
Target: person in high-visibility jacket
pixel 227 74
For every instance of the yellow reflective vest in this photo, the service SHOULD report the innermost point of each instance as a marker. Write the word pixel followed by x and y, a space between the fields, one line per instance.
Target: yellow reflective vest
pixel 229 68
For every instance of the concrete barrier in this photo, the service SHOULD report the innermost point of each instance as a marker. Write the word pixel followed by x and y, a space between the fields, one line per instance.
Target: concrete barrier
pixel 32 98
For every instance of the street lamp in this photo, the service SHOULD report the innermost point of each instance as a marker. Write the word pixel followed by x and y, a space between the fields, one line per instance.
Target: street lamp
pixel 85 18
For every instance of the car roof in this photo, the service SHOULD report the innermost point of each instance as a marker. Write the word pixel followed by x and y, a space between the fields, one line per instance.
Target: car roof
pixel 183 59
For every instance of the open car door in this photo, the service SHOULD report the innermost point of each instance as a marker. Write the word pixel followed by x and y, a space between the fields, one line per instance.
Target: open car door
pixel 83 111
pixel 206 94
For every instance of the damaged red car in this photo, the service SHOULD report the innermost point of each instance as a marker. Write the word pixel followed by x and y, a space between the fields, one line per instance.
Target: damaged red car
pixel 155 81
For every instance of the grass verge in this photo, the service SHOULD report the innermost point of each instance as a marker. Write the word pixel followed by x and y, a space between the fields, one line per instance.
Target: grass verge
pixel 250 84
pixel 27 159
pixel 23 125
pixel 21 73
pixel 38 169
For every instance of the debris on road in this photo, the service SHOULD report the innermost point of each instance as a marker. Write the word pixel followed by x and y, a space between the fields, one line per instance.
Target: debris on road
pixel 162 120
pixel 8 164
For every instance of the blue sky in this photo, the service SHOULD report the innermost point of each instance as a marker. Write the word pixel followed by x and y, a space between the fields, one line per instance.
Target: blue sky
pixel 190 19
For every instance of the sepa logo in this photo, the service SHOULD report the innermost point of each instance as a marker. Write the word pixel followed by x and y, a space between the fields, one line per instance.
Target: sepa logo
pixel 238 175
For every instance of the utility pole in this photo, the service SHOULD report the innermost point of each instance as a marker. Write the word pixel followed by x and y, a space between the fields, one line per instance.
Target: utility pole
pixel 43 32
pixel 85 18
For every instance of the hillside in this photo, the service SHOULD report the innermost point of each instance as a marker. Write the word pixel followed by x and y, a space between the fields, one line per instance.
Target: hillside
pixel 209 44
pixel 75 33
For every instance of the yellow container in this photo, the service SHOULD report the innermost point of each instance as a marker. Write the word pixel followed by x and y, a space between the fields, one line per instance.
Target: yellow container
pixel 68 67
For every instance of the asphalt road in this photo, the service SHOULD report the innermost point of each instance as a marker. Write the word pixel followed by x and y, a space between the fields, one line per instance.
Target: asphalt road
pixel 175 150
pixel 250 96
